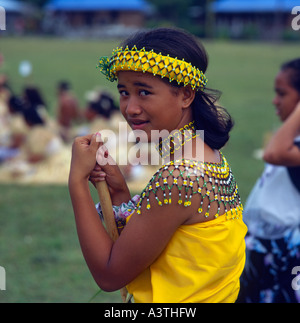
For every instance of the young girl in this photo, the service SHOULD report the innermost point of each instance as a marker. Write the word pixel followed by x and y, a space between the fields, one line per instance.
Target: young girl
pixel 272 212
pixel 183 240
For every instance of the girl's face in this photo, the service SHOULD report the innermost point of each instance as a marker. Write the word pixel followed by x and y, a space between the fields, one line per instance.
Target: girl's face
pixel 286 97
pixel 148 103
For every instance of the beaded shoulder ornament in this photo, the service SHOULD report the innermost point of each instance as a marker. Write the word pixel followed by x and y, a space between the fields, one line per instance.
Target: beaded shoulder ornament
pixel 213 181
pixel 143 61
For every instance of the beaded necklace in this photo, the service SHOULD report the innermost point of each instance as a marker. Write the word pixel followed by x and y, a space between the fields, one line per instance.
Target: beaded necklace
pixel 176 140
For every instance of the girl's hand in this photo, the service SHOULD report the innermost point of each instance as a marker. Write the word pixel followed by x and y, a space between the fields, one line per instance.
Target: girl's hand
pixel 84 152
pixel 110 172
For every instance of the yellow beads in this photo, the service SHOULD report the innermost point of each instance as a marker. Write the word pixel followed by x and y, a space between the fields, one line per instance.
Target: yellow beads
pixel 151 62
pixel 214 183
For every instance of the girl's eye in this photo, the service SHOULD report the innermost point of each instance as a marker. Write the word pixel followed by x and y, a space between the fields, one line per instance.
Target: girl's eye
pixel 281 93
pixel 144 93
pixel 123 93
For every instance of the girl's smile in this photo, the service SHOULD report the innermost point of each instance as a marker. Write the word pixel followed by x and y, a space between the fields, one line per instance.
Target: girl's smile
pixel 137 124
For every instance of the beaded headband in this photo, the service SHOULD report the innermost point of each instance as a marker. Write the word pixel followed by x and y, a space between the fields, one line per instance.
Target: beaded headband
pixel 151 62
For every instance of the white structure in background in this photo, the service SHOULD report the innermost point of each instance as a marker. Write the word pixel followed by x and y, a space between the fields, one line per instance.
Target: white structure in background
pixel 2 278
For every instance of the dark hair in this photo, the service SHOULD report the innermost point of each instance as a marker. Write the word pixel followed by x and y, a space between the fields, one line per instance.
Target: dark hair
pixel 214 120
pixel 294 67
pixel 32 117
pixel 64 86
pixel 16 104
pixel 33 97
pixel 104 105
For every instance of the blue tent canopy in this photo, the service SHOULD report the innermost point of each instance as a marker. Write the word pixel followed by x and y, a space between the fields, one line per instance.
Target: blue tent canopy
pixel 250 6
pixel 89 5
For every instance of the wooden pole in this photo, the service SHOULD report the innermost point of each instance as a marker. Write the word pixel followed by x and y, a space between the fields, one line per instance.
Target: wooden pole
pixel 109 219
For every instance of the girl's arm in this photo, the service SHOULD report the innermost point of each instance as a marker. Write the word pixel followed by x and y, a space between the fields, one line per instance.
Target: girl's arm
pixel 115 264
pixel 282 150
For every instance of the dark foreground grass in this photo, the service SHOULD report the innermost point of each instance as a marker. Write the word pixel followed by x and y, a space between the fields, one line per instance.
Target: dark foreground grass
pixel 39 248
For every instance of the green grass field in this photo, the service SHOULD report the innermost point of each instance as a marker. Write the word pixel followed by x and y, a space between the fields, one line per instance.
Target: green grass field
pixel 38 243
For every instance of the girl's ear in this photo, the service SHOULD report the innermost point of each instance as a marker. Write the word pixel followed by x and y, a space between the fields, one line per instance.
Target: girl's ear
pixel 188 96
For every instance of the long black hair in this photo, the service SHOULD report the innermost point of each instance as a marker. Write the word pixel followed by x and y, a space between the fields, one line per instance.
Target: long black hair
pixel 213 119
pixel 294 67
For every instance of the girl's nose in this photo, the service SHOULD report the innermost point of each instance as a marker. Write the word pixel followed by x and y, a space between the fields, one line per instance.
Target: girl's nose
pixel 133 107
pixel 275 101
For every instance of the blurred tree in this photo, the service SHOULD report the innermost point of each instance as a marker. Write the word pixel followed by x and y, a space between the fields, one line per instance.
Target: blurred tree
pixel 209 20
pixel 188 14
pixel 175 10
pixel 38 3
pixel 171 10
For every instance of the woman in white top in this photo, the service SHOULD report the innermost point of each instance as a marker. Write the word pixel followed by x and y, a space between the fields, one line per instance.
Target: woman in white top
pixel 272 211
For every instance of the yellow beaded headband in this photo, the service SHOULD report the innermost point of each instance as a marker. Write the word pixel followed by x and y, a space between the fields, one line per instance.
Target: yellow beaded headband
pixel 151 62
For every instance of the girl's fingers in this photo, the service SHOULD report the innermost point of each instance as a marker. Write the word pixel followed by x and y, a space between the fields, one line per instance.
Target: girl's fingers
pixel 96 179
pixel 97 167
pixel 97 174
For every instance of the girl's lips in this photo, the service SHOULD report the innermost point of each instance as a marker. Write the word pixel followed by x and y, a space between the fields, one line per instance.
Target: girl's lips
pixel 277 111
pixel 138 124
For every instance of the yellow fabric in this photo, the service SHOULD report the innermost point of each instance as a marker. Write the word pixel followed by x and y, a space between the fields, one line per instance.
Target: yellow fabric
pixel 201 264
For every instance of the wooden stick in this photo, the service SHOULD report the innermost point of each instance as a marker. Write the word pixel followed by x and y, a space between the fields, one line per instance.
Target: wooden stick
pixel 109 219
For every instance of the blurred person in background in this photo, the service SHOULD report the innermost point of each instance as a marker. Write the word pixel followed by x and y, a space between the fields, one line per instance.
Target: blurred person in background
pixel 43 157
pixel 13 129
pixel 5 91
pixel 67 110
pixel 33 98
pixel 4 109
pixel 41 141
pixel 101 112
pixel 5 94
pixel 272 212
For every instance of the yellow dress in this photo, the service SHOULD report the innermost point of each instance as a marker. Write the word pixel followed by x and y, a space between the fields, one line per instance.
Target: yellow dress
pixel 203 262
